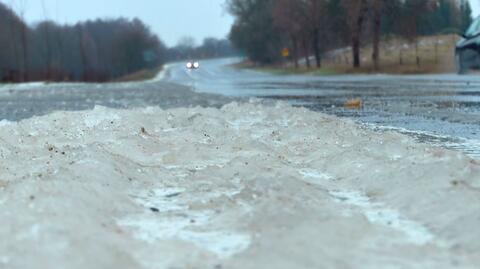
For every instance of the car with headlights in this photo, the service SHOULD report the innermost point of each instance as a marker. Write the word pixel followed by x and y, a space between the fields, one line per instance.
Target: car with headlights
pixel 193 65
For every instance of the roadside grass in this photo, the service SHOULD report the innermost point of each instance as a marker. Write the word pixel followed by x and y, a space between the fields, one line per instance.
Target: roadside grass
pixel 298 71
pixel 145 74
pixel 397 56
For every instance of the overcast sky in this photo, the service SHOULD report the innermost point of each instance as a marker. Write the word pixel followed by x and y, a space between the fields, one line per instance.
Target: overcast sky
pixel 475 7
pixel 170 19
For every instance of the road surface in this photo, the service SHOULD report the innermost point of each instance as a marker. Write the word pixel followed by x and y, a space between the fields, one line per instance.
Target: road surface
pixel 23 101
pixel 438 109
pixel 442 110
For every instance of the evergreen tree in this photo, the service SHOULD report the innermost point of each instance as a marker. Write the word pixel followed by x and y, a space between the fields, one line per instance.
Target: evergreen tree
pixel 254 31
pixel 391 17
pixel 338 27
pixel 465 15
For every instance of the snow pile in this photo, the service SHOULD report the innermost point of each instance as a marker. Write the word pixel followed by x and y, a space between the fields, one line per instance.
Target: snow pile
pixel 244 186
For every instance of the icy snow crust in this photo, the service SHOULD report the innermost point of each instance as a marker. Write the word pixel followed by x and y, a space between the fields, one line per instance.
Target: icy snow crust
pixel 245 186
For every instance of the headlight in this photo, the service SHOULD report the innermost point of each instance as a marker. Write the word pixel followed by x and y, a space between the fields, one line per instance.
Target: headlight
pixel 189 65
pixel 196 65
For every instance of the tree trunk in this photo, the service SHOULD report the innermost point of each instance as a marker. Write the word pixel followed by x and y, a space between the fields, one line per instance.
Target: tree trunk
pixel 48 56
pixel 295 50
pixel 60 52
pixel 416 53
pixel 356 50
pixel 83 57
pixel 376 34
pixel 13 39
pixel 316 47
pixel 25 53
pixel 357 32
pixel 307 52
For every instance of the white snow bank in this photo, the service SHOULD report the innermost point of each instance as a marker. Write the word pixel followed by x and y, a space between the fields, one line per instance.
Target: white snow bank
pixel 28 86
pixel 377 213
pixel 245 186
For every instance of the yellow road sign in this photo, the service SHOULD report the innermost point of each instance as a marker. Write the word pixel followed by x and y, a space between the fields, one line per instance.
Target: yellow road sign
pixel 285 52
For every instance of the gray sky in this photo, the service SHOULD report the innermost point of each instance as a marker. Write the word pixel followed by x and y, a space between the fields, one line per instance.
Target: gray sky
pixel 475 6
pixel 170 19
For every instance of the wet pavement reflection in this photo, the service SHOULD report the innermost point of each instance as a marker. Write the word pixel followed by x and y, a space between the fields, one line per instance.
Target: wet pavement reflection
pixel 442 110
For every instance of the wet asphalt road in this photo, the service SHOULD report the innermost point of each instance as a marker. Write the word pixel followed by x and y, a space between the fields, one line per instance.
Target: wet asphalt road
pixel 23 101
pixel 442 109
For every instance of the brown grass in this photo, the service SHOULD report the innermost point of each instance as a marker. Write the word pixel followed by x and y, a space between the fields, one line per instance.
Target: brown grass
pixel 397 56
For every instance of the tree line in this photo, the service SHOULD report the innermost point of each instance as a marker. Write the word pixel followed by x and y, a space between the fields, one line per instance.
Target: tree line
pixel 312 27
pixel 93 51
pixel 210 48
pixel 97 50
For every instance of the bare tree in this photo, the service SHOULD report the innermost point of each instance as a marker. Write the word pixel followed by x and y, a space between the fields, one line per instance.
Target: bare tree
pixel 412 23
pixel 356 11
pixel 376 7
pixel 187 42
pixel 316 17
pixel 187 45
pixel 24 31
pixel 86 51
pixel 58 35
pixel 306 49
pixel 13 39
pixel 254 32
pixel 288 16
pixel 45 26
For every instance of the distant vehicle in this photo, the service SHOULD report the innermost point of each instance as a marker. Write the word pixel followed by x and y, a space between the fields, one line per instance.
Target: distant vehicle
pixel 193 65
pixel 467 50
